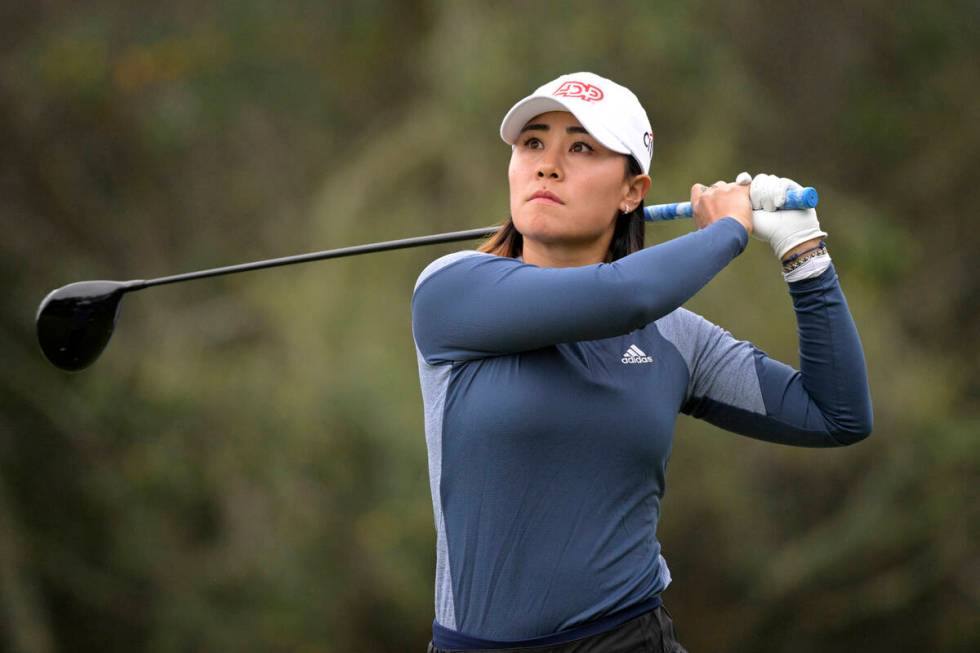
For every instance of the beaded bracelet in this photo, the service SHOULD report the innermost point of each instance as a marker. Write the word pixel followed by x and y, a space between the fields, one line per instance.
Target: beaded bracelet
pixel 803 257
pixel 821 245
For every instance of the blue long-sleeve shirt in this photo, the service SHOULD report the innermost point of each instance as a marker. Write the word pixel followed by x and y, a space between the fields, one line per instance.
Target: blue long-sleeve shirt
pixel 550 398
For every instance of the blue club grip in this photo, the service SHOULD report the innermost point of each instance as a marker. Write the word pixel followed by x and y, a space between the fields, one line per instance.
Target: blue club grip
pixel 796 198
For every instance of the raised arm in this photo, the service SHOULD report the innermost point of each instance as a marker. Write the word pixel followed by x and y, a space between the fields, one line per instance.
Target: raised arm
pixel 736 386
pixel 475 305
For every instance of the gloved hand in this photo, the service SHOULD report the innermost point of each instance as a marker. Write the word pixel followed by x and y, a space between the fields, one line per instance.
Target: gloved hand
pixel 782 229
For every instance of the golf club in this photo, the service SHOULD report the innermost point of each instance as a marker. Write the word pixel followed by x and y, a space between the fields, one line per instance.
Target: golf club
pixel 75 322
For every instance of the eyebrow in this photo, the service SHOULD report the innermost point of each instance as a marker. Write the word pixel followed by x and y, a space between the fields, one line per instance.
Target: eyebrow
pixel 543 127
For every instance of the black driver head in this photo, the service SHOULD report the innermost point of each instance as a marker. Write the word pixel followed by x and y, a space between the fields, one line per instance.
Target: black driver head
pixel 75 322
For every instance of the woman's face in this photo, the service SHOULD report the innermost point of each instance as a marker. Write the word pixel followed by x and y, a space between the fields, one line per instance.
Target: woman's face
pixel 565 187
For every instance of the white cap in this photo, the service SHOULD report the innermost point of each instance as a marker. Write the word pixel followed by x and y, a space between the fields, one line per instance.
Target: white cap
pixel 608 111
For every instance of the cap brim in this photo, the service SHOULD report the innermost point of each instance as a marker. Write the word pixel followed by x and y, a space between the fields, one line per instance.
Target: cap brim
pixel 531 106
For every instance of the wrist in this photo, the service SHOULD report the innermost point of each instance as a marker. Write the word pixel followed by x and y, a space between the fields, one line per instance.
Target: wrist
pixel 805 259
pixel 746 224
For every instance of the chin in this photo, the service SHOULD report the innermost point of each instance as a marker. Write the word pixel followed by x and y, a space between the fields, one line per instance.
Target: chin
pixel 543 228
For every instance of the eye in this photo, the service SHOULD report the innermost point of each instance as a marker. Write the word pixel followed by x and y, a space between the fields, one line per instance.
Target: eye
pixel 532 142
pixel 581 146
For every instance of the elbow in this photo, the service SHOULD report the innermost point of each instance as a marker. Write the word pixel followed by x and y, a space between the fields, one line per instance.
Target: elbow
pixel 854 430
pixel 850 436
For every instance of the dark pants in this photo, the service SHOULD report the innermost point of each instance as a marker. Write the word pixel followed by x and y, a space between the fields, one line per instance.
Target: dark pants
pixel 652 632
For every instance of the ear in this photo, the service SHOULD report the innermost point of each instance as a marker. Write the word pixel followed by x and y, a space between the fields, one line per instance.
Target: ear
pixel 636 189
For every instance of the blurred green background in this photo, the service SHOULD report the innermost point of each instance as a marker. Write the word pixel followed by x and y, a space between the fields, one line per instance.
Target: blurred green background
pixel 244 469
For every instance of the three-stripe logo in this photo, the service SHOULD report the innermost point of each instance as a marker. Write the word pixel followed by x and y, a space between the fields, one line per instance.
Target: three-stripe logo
pixel 636 355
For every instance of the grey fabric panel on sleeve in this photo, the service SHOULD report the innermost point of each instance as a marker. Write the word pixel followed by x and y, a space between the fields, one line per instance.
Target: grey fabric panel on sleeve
pixel 434 380
pixel 721 367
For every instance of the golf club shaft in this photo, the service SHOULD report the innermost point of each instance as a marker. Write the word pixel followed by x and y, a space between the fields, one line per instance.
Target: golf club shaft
pixel 403 243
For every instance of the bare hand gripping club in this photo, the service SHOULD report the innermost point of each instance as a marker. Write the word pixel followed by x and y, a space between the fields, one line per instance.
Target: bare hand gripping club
pixel 796 198
pixel 74 322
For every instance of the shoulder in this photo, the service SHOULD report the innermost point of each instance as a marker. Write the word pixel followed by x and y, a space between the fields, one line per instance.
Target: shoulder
pixel 686 330
pixel 678 321
pixel 445 261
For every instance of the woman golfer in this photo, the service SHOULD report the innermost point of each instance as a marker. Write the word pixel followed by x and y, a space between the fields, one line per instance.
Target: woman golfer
pixel 553 362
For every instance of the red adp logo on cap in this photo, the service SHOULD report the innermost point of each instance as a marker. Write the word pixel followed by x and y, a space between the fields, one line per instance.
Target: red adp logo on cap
pixel 580 90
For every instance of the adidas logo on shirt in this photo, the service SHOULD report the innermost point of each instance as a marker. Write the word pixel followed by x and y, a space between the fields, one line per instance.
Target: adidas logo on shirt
pixel 635 355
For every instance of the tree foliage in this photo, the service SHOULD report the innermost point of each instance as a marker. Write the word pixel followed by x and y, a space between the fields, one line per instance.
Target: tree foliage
pixel 244 469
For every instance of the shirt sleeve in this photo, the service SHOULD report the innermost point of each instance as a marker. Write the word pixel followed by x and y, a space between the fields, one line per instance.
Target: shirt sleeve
pixel 472 305
pixel 736 386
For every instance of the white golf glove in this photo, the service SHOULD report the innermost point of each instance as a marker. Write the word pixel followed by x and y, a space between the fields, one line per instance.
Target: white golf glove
pixel 782 229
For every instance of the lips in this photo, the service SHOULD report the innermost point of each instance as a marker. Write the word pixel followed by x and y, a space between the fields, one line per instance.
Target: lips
pixel 546 197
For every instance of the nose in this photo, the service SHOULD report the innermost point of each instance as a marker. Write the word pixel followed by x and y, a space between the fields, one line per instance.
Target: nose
pixel 548 167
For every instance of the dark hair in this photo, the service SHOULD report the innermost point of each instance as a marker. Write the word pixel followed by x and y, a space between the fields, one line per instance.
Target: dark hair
pixel 628 237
